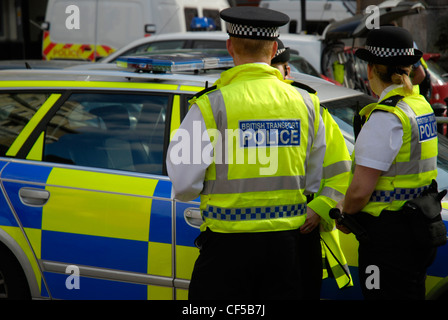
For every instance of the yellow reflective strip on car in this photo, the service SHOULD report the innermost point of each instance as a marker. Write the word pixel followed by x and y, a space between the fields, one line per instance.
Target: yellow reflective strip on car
pixel 99 213
pixel 102 181
pixel 194 89
pixel 185 259
pixel 17 234
pixel 34 237
pixel 86 84
pixel 160 293
pixel 181 294
pixel 160 259
pixel 46 41
pixel 104 51
pixel 37 149
pixel 175 115
pixel 122 64
pixel 431 282
pixel 31 125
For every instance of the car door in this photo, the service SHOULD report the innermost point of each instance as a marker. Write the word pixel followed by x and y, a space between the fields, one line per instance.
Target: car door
pixel 187 214
pixel 92 197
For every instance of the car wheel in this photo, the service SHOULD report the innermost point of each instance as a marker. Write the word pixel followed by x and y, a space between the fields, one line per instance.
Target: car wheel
pixel 13 284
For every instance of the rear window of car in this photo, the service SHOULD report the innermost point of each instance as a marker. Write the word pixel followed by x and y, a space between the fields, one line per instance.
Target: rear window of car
pixel 208 44
pixel 111 131
pixel 16 110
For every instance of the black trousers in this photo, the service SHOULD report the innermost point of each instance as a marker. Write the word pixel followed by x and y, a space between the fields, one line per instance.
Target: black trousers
pixel 310 253
pixel 263 265
pixel 392 262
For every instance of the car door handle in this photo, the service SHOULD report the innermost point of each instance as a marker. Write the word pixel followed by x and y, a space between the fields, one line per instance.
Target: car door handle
pixel 193 217
pixel 33 196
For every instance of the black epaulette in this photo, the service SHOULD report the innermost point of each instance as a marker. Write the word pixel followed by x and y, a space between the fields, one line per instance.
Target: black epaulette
pixel 391 101
pixel 304 87
pixel 200 93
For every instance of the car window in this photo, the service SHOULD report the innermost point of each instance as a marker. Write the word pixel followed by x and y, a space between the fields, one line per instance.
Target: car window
pixel 209 44
pixel 213 14
pixel 155 46
pixel 437 72
pixel 301 65
pixel 112 131
pixel 16 109
pixel 345 108
pixel 343 111
pixel 164 45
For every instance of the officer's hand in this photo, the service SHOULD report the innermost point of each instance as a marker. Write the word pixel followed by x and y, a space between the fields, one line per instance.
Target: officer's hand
pixel 312 221
pixel 342 228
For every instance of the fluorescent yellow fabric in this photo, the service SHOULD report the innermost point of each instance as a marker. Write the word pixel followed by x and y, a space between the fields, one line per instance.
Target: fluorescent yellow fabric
pixel 258 188
pixel 416 163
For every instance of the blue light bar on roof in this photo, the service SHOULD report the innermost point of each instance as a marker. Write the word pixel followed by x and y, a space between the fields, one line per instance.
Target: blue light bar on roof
pixel 175 62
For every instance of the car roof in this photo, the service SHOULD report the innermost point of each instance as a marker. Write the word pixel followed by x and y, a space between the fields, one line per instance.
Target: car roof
pixel 326 91
pixel 212 35
pixel 201 35
pixel 115 75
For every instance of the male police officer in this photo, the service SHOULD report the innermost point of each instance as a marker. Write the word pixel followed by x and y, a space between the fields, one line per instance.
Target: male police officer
pixel 318 231
pixel 252 209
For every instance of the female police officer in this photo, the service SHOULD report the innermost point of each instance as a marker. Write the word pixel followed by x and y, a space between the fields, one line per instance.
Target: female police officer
pixel 318 232
pixel 395 160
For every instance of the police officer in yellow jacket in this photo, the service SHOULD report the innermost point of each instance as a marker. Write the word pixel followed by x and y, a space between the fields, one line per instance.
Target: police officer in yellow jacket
pixel 262 145
pixel 320 237
pixel 395 160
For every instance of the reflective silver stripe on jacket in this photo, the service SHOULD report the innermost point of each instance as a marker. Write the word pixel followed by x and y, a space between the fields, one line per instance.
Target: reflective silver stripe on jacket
pixel 331 171
pixel 254 213
pixel 416 164
pixel 311 118
pixel 398 194
pixel 222 185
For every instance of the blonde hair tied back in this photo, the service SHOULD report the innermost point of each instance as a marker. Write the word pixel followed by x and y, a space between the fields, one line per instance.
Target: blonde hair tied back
pixel 395 75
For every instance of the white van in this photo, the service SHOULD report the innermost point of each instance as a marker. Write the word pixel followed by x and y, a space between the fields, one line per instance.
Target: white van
pixel 91 29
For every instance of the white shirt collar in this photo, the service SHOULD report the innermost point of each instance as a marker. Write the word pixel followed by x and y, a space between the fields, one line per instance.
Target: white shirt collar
pixel 388 89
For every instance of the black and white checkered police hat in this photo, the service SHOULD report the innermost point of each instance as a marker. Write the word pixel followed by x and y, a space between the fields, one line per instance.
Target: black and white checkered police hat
pixel 282 54
pixel 389 45
pixel 253 22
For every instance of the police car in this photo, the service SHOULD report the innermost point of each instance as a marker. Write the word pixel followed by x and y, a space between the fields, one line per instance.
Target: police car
pixel 86 206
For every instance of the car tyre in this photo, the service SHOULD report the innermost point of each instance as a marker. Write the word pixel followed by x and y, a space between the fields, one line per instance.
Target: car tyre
pixel 13 283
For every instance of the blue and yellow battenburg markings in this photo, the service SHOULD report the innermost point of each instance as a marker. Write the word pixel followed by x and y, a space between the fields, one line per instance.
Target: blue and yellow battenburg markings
pixel 137 238
pixel 176 62
pixel 269 133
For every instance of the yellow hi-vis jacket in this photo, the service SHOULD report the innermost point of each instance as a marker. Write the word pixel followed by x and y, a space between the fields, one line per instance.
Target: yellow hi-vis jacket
pixel 336 175
pixel 334 258
pixel 262 132
pixel 415 166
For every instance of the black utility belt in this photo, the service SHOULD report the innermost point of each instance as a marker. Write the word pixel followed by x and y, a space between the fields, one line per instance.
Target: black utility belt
pixel 420 216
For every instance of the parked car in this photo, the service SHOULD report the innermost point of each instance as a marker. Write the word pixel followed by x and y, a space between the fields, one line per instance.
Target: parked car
pixel 38 64
pixel 305 48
